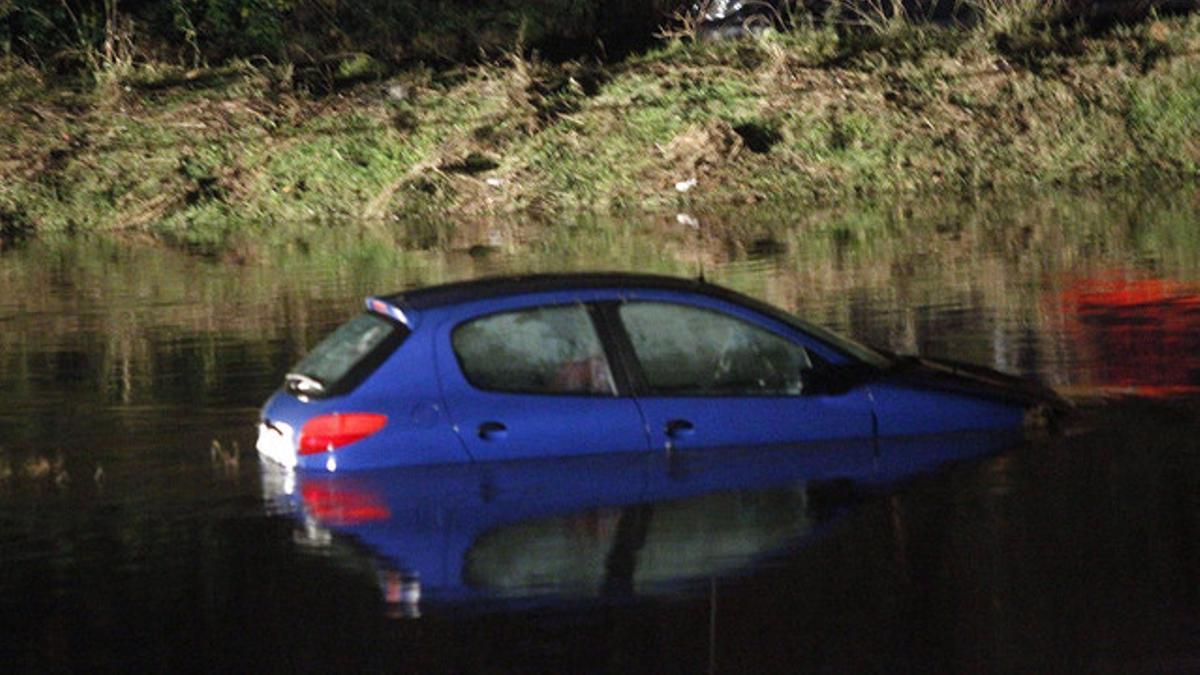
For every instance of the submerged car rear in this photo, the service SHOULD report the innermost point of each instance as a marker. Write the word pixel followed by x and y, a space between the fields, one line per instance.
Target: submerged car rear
pixel 312 417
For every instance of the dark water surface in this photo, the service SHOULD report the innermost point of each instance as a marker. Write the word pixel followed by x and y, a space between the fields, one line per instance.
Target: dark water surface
pixel 128 541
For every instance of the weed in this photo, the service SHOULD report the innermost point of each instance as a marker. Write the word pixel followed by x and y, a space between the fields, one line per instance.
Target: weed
pixel 880 17
pixel 1162 117
pixel 685 23
pixel 19 81
pixel 103 40
pixel 1010 17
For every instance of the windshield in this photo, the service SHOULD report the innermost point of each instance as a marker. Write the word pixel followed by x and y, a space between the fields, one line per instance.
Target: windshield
pixel 846 345
pixel 855 350
pixel 346 357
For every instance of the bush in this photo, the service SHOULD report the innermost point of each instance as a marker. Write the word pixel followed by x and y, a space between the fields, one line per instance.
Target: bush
pixel 77 33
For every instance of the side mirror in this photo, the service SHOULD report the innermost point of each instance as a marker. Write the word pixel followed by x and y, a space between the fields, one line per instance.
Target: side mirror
pixel 818 382
pixel 827 380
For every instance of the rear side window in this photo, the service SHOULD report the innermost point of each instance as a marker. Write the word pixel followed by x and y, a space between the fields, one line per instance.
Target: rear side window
pixel 548 350
pixel 345 358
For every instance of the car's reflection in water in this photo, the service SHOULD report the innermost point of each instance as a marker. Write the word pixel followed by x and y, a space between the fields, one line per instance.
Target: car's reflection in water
pixel 587 528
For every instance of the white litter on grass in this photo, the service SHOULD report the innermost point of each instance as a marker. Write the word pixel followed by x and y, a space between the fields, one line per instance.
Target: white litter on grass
pixel 397 92
pixel 494 182
pixel 685 185
pixel 687 219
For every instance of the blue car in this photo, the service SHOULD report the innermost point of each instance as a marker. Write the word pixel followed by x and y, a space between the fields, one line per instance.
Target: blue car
pixel 532 366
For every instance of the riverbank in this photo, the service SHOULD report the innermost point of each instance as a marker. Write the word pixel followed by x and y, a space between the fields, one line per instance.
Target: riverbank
pixel 211 159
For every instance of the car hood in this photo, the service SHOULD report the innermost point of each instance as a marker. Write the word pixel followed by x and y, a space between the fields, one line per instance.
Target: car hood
pixel 971 379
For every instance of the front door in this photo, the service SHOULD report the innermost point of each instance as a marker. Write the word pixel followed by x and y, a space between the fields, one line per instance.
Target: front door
pixel 711 379
pixel 533 382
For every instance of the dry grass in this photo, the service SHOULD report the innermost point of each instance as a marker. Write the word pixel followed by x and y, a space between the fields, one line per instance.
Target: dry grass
pixel 814 114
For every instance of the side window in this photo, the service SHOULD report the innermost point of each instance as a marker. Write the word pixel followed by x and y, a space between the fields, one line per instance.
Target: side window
pixel 689 351
pixel 548 350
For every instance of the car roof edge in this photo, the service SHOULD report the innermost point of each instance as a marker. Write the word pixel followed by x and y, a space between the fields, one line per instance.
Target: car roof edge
pixel 496 286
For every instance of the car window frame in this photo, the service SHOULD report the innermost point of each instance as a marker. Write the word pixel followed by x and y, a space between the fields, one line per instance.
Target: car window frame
pixel 619 373
pixel 640 384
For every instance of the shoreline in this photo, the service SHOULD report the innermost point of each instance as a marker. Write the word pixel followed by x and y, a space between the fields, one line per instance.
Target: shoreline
pixel 199 159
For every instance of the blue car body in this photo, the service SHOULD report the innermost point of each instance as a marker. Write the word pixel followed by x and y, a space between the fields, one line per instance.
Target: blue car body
pixel 429 377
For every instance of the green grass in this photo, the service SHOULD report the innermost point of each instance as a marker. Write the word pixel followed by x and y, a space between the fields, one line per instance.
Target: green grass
pixel 210 160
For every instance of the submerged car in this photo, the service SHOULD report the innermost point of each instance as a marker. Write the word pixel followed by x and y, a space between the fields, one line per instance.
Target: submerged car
pixel 531 366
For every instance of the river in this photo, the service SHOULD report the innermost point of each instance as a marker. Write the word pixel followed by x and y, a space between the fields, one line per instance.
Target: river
pixel 136 536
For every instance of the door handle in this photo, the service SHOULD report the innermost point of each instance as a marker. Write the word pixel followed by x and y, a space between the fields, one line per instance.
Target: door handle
pixel 493 431
pixel 680 429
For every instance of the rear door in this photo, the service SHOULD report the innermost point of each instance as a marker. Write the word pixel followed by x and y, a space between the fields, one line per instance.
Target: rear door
pixel 713 374
pixel 523 378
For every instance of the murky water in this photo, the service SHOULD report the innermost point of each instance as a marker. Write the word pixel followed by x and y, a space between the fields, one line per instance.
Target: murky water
pixel 127 539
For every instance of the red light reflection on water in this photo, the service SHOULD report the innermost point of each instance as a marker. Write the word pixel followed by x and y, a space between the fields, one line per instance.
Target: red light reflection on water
pixel 1141 336
pixel 338 506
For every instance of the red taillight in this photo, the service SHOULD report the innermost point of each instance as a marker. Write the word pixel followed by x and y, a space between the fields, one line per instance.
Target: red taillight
pixel 326 433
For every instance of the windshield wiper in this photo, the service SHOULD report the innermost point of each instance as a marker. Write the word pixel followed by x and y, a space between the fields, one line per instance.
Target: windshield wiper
pixel 304 384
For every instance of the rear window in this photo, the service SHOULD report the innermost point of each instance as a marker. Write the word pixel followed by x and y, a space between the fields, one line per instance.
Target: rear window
pixel 345 358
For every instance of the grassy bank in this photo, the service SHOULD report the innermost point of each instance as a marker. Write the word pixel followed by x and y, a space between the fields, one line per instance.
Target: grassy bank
pixel 213 158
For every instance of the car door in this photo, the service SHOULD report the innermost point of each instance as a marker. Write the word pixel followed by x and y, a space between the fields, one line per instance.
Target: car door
pixel 712 374
pixel 534 380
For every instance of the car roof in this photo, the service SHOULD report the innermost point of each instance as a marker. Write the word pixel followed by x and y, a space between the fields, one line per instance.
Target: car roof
pixel 485 288
pixel 500 286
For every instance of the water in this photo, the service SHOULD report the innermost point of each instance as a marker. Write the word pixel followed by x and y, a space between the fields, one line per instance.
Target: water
pixel 129 541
